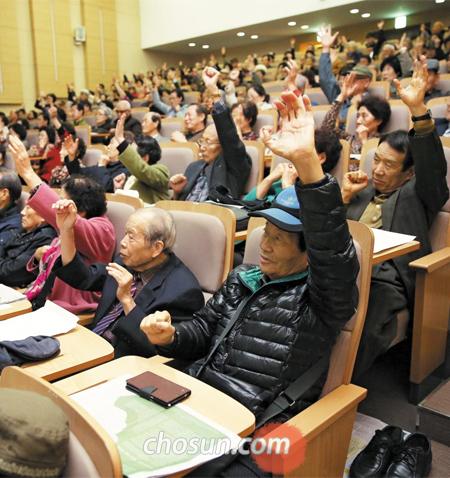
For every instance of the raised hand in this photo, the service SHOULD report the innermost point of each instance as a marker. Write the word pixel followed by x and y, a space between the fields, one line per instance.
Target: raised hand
pixel 20 156
pixel 295 140
pixel 349 87
pixel 327 38
pixel 289 176
pixel 178 136
pixel 292 71
pixel 352 183
pixel 413 95
pixel 124 281
pixel 71 146
pixel 66 215
pixel 120 127
pixel 119 181
pixel 210 77
pixel 158 328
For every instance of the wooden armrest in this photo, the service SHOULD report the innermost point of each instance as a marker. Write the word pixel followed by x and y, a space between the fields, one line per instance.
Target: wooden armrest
pixel 159 359
pixel 85 319
pixel 433 261
pixel 327 410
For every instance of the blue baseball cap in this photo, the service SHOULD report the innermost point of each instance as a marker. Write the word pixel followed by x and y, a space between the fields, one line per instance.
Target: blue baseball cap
pixel 284 212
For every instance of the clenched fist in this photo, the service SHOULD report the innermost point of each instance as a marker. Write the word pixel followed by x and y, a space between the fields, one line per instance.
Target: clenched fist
pixel 158 328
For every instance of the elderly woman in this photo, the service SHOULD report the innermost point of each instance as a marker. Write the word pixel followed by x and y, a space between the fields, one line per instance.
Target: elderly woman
pixel 373 113
pixel 244 115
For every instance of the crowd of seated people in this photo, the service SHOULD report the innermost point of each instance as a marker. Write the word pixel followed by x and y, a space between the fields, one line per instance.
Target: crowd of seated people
pixel 147 301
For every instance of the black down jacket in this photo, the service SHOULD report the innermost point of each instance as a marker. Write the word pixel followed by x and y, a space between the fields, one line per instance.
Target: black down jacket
pixel 288 325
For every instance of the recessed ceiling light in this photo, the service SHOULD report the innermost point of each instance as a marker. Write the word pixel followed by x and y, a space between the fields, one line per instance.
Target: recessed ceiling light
pixel 354 10
pixel 292 24
pixel 440 1
pixel 318 38
pixel 400 22
pixel 365 15
pixel 192 44
pixel 240 34
pixel 304 27
pixel 254 37
pixel 205 47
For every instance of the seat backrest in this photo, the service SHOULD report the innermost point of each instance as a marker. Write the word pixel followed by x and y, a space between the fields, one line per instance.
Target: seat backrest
pixel 380 88
pixel 32 137
pixel 338 171
pixel 90 120
pixel 169 125
pixel 440 229
pixel 319 113
pixel 255 149
pixel 444 83
pixel 204 240
pixel 92 452
pixel 91 157
pixel 135 202
pixel 139 113
pixel 316 95
pixel 400 118
pixel 438 106
pixel 443 68
pixel 139 103
pixel 271 86
pixel 118 213
pixel 267 117
pixel 84 132
pixel 191 97
pixel 367 155
pixel 178 156
pixel 344 351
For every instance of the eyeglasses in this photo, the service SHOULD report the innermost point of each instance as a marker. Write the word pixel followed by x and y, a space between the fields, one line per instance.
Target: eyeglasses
pixel 207 142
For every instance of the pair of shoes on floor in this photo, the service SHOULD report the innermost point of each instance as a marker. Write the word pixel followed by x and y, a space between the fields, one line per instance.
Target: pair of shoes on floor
pixel 388 455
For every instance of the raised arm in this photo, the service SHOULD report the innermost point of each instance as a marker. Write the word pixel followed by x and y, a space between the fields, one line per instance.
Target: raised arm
pixel 328 82
pixel 333 265
pixel 430 165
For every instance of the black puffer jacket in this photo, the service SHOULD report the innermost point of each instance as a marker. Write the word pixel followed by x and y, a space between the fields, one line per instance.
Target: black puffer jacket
pixel 287 325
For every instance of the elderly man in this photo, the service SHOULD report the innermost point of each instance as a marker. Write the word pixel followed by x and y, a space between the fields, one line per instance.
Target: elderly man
pixel 123 107
pixel 194 124
pixel 10 191
pixel 433 79
pixel 151 127
pixel 176 108
pixel 328 82
pixel 269 324
pixel 223 161
pixel 407 190
pixel 145 278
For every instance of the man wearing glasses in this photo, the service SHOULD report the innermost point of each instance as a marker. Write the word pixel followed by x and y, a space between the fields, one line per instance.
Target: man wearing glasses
pixel 223 160
pixel 131 124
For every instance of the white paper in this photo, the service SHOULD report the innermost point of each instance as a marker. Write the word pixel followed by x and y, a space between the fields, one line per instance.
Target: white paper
pixel 8 295
pixel 49 320
pixel 109 403
pixel 127 192
pixel 386 239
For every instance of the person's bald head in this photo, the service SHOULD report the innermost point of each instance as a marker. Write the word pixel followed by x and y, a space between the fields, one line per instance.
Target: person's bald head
pixel 149 236
pixel 123 107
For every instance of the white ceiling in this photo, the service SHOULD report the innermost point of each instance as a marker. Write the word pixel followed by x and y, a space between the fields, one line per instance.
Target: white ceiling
pixel 278 29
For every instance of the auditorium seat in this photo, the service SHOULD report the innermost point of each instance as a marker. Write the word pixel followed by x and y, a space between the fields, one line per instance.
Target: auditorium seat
pixel 139 113
pixel 380 88
pixel 255 150
pixel 267 117
pixel 327 424
pixel 191 97
pixel 169 125
pixel 205 240
pixel 84 132
pixel 438 106
pixel 177 156
pixel 317 96
pixel 319 113
pixel 91 119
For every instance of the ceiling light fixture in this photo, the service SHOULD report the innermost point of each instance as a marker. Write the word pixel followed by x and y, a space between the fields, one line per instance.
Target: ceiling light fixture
pixel 400 22
pixel 240 34
pixel 205 47
pixel 365 15
pixel 192 44
pixel 292 24
pixel 304 27
pixel 254 37
pixel 440 1
pixel 354 10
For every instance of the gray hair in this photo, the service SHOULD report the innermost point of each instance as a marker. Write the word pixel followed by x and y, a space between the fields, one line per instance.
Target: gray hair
pixel 157 225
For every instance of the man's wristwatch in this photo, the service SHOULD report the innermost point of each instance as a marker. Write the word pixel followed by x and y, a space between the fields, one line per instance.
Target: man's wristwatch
pixel 426 116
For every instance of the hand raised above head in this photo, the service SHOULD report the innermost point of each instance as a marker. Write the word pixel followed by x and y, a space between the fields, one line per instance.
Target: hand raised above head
pixel 66 214
pixel 414 94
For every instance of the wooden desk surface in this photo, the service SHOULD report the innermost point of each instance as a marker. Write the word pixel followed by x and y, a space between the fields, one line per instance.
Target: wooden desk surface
pixel 206 400
pixel 80 349
pixel 395 252
pixel 15 308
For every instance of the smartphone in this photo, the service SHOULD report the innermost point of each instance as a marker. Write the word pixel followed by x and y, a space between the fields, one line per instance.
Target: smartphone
pixel 150 386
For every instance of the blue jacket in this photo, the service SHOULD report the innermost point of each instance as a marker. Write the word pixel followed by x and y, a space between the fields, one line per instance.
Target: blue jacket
pixel 10 223
pixel 174 288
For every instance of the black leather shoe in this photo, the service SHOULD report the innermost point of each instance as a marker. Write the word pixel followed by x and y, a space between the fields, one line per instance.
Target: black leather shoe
pixel 374 460
pixel 413 458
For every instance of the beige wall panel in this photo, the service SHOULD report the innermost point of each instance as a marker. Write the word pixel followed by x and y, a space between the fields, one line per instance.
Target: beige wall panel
pixel 53 45
pixel 10 77
pixel 99 18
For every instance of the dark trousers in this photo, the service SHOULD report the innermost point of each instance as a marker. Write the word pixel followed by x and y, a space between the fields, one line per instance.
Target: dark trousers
pixel 386 299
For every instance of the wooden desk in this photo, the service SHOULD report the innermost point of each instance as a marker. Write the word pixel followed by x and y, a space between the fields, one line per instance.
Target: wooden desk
pixel 204 399
pixel 240 235
pixel 15 308
pixel 395 252
pixel 80 349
